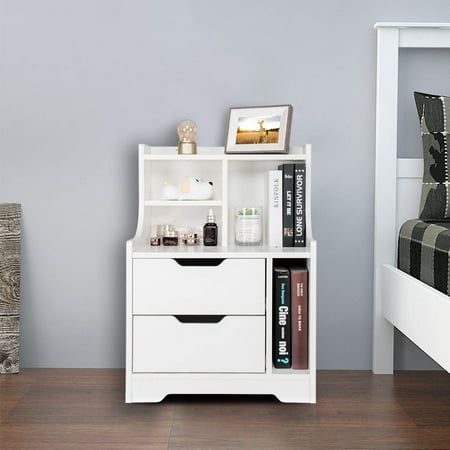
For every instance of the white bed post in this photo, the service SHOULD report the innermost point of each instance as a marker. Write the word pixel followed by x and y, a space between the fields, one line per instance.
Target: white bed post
pixel 385 189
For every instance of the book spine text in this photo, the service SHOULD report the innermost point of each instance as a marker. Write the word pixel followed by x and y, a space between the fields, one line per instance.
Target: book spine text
pixel 281 319
pixel 274 229
pixel 299 215
pixel 288 204
pixel 299 316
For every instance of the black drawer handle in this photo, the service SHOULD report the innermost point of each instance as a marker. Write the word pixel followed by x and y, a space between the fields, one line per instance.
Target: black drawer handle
pixel 199 318
pixel 208 262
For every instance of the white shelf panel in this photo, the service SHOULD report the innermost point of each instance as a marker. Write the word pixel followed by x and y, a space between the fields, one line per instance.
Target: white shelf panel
pixel 289 372
pixel 296 153
pixel 173 151
pixel 274 157
pixel 176 157
pixel 222 157
pixel 183 203
pixel 144 250
pixel 301 375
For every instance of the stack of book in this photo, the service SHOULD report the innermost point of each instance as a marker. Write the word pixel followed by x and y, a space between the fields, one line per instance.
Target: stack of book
pixel 290 317
pixel 286 225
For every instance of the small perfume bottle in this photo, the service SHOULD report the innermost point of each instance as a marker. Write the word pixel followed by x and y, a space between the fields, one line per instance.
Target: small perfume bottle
pixel 210 230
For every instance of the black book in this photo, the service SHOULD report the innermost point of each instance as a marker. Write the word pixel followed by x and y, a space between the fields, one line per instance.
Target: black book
pixel 281 339
pixel 288 204
pixel 299 210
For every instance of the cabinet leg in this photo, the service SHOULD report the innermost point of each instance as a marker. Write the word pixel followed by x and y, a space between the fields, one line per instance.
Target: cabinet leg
pixel 290 397
pixel 156 397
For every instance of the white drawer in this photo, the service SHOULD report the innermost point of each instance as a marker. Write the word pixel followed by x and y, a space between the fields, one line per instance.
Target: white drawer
pixel 165 344
pixel 166 286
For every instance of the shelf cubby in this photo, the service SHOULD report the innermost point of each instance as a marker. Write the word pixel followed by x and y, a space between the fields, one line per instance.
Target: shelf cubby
pixel 187 216
pixel 173 171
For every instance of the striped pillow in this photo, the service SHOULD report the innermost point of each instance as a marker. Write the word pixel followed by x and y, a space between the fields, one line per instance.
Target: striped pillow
pixel 433 111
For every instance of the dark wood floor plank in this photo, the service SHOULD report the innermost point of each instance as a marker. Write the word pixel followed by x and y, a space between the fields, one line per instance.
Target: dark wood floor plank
pixel 72 408
pixel 84 408
pixel 112 436
pixel 12 390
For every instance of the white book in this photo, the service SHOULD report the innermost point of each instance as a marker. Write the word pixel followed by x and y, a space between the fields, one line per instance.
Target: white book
pixel 274 208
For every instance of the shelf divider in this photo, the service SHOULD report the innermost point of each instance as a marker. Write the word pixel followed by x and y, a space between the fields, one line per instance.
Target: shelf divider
pixel 225 180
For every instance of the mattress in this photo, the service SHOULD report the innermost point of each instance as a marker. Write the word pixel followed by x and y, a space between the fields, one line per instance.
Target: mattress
pixel 423 252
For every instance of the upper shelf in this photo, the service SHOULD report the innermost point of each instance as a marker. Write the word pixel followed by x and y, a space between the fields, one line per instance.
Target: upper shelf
pixel 296 153
pixel 144 250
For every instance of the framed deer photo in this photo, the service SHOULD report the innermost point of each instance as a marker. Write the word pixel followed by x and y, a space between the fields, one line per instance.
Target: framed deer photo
pixel 260 129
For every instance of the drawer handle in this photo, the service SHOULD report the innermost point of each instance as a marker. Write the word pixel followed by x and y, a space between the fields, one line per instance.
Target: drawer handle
pixel 211 262
pixel 199 318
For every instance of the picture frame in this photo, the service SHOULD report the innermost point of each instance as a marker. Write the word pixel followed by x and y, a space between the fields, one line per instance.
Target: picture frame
pixel 259 129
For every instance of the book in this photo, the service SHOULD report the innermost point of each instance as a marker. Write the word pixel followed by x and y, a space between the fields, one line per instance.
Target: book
pixel 299 210
pixel 288 204
pixel 299 317
pixel 274 210
pixel 281 339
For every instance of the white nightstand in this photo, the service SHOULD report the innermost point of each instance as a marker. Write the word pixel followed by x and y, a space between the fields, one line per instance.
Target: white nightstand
pixel 199 319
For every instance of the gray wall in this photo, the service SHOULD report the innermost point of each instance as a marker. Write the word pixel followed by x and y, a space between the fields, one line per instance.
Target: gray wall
pixel 83 82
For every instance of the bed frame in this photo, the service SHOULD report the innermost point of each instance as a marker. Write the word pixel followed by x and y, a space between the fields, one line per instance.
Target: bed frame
pixel 401 301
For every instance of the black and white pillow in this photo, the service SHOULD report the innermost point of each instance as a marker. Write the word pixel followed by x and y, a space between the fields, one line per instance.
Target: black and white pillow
pixel 434 112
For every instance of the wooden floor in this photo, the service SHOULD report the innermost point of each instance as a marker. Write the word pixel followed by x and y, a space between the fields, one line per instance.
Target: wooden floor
pixel 82 409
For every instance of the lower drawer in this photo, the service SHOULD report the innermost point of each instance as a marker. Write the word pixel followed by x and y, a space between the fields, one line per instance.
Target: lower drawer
pixel 171 344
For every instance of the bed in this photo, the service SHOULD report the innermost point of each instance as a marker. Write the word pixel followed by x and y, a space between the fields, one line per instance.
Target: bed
pixel 423 252
pixel 412 299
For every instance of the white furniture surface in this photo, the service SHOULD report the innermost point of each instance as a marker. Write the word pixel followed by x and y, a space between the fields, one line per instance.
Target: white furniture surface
pixel 205 290
pixel 420 312
pixel 232 344
pixel 199 319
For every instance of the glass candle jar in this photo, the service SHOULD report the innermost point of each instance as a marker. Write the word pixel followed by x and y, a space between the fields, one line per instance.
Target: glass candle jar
pixel 163 229
pixel 248 226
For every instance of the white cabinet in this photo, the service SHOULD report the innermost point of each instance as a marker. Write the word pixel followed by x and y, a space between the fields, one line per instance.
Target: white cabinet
pixel 199 319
